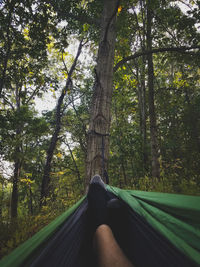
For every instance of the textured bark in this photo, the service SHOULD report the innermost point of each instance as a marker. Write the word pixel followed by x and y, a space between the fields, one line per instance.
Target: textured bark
pixel 59 112
pixel 101 104
pixel 152 114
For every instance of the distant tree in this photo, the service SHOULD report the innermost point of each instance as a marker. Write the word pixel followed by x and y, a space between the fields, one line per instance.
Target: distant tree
pixel 59 111
pixel 24 37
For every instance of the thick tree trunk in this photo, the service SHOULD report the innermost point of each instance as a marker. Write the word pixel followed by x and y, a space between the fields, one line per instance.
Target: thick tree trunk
pixel 58 116
pixel 98 140
pixel 152 114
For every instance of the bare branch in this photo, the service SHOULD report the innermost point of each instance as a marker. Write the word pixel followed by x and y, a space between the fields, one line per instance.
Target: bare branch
pixel 33 94
pixel 8 103
pixel 180 49
pixel 85 19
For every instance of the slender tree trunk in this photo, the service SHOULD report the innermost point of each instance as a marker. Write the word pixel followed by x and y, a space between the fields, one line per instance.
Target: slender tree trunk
pixel 17 163
pixel 124 172
pixel 54 138
pixel 8 47
pixel 152 114
pixel 30 204
pixel 101 104
pixel 75 165
pixel 143 116
pixel 82 142
pixel 122 152
pixel 14 198
pixel 142 88
pixel 1 200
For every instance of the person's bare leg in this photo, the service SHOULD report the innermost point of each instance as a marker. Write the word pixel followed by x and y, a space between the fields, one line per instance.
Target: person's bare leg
pixel 107 249
pixel 109 253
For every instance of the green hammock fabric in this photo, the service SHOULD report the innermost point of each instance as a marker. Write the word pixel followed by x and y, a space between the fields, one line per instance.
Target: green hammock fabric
pixel 177 217
pixel 24 251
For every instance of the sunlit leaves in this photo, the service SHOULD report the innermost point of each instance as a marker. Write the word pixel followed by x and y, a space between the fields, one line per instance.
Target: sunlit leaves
pixel 85 27
pixel 119 9
pixel 179 81
pixel 59 155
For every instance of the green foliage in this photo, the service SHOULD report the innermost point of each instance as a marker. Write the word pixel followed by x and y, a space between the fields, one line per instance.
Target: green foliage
pixel 31 128
pixel 34 38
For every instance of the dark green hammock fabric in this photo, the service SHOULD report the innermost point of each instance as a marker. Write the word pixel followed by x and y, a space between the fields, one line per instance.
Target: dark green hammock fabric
pixel 175 217
pixel 24 251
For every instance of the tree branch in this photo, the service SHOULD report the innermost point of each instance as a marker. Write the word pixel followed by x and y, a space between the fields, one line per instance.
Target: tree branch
pixel 83 18
pixel 33 94
pixel 181 49
pixel 8 103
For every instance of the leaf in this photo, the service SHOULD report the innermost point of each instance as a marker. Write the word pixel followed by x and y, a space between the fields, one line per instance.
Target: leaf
pixel 85 27
pixel 59 155
pixel 65 54
pixel 60 173
pixel 119 9
pixel 65 75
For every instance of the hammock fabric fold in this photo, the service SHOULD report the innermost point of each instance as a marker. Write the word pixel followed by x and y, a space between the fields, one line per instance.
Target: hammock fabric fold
pixel 153 229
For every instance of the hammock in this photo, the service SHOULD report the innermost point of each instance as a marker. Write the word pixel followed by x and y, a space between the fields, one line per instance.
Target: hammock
pixel 153 229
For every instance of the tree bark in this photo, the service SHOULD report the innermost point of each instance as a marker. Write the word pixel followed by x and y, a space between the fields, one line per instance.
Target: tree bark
pixel 58 116
pixel 100 115
pixel 152 114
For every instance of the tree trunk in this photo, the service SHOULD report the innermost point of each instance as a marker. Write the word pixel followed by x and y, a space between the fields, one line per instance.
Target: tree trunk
pixel 7 46
pixel 124 171
pixel 143 116
pixel 98 139
pixel 2 198
pixel 54 138
pixel 17 163
pixel 152 114
pixel 121 149
pixel 75 165
pixel 14 198
pixel 30 203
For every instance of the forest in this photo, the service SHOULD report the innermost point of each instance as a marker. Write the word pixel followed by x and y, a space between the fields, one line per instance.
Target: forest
pixel 87 86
